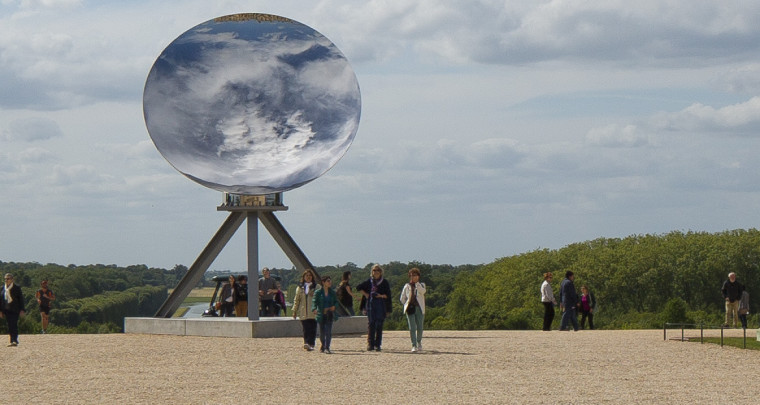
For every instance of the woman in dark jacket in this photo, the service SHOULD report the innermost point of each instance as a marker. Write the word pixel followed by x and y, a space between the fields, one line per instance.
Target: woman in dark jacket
pixel 11 307
pixel 377 305
pixel 227 298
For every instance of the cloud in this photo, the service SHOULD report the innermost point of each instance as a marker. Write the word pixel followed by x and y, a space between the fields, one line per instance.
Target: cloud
pixel 488 153
pixel 49 3
pixel 743 79
pixel 63 64
pixel 496 32
pixel 31 129
pixel 56 56
pixel 626 136
pixel 740 118
pixel 35 155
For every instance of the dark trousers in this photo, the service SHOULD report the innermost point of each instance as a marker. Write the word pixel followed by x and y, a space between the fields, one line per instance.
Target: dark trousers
pixel 12 319
pixel 267 308
pixel 375 333
pixel 548 315
pixel 569 316
pixel 309 331
pixel 590 316
pixel 325 334
pixel 227 309
pixel 743 318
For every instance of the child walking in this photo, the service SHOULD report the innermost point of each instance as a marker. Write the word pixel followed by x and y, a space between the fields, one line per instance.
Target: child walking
pixel 324 308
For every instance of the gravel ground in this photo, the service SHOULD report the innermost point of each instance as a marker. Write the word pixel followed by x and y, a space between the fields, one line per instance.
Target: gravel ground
pixel 476 367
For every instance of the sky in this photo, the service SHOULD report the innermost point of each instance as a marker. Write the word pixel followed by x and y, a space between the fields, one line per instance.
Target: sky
pixel 488 129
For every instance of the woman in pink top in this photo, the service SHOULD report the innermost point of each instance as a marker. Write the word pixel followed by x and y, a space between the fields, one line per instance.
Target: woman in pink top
pixel 588 303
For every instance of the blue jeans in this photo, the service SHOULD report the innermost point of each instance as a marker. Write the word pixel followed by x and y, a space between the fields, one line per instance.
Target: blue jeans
pixel 325 334
pixel 569 315
pixel 415 321
pixel 375 333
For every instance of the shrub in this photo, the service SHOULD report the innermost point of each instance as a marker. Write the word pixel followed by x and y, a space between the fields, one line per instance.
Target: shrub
pixel 675 311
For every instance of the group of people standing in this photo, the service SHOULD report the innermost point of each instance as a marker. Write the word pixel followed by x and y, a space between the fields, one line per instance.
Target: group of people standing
pixel 570 303
pixel 734 293
pixel 233 299
pixel 323 306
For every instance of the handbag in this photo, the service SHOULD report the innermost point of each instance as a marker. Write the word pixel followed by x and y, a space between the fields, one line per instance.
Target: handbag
pixel 410 306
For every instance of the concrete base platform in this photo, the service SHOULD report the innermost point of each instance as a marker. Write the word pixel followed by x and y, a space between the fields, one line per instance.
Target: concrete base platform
pixel 235 327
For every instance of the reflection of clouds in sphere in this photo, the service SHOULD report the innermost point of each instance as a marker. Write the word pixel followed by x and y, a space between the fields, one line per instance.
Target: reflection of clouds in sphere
pixel 252 107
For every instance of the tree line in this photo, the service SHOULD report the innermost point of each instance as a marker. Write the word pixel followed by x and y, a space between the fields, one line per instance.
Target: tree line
pixel 640 281
pixel 92 298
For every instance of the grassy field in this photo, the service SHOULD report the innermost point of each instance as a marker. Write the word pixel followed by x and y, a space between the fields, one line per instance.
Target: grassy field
pixel 198 295
pixel 752 343
pixel 205 292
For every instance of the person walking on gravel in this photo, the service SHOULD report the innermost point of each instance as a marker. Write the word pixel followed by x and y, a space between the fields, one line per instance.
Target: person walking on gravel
pixel 569 299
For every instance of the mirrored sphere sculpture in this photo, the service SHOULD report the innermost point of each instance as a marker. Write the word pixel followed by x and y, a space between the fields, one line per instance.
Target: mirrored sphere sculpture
pixel 252 104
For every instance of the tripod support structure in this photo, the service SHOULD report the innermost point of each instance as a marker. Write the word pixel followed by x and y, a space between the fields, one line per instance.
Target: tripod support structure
pixel 238 214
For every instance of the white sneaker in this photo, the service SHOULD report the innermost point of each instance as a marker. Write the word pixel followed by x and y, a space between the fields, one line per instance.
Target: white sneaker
pixel 419 347
pixel 414 349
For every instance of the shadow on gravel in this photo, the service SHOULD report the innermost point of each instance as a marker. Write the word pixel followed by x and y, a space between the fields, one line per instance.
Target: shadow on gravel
pixel 458 337
pixel 397 352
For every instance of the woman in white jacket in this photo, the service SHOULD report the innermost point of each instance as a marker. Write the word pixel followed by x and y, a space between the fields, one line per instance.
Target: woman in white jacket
pixel 302 308
pixel 413 300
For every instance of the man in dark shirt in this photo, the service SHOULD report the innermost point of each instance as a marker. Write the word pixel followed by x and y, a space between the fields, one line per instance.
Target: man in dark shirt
pixel 569 300
pixel 267 290
pixel 732 293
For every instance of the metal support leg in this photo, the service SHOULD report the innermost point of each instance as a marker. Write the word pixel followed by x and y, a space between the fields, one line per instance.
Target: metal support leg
pixel 287 244
pixel 201 264
pixel 253 265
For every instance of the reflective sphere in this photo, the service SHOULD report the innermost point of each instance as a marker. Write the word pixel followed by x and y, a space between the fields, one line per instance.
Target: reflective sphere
pixel 252 104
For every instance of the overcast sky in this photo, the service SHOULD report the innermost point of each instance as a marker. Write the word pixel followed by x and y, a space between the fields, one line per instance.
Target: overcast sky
pixel 488 128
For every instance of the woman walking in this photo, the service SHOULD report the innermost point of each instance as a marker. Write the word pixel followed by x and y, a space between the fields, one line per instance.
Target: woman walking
pixel 413 301
pixel 324 308
pixel 345 296
pixel 302 308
